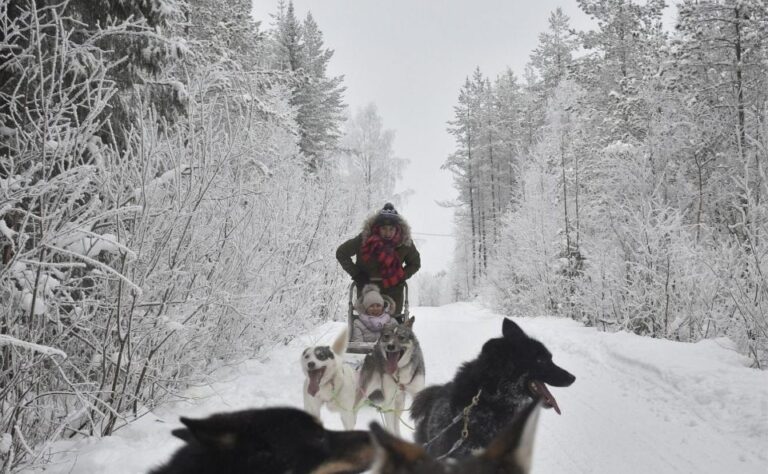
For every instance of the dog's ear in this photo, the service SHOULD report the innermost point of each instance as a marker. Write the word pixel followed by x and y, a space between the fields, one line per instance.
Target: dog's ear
pixel 394 454
pixel 340 344
pixel 510 330
pixel 183 434
pixel 409 322
pixel 512 449
pixel 207 432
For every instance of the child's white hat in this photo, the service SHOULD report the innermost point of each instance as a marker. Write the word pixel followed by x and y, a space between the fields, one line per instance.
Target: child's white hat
pixel 371 296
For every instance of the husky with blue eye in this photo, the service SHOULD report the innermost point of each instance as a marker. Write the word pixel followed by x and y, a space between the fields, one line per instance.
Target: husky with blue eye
pixel 329 381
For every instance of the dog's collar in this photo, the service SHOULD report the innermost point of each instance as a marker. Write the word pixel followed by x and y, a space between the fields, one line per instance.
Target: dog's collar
pixel 397 379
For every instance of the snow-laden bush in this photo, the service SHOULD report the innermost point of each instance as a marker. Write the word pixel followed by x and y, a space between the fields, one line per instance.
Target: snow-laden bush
pixel 641 266
pixel 130 272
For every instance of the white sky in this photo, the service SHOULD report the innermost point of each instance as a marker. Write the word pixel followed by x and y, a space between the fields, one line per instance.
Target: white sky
pixel 410 57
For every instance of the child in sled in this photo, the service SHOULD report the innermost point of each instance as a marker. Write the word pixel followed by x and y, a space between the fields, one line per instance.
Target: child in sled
pixel 374 312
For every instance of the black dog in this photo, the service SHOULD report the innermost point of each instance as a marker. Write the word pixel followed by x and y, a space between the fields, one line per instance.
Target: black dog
pixel 509 453
pixel 509 372
pixel 267 441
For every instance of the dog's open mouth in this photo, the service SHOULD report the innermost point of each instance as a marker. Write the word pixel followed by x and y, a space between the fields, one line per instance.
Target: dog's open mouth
pixel 540 391
pixel 315 376
pixel 392 360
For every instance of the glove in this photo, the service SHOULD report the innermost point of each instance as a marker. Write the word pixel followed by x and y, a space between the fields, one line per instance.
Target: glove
pixel 361 278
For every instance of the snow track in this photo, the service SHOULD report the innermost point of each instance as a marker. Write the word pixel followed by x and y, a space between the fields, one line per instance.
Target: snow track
pixel 638 405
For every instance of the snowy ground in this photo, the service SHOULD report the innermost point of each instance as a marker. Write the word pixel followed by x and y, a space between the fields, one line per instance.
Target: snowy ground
pixel 638 405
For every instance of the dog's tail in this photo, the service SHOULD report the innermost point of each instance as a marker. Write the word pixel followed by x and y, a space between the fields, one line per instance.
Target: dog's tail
pixel 423 401
pixel 339 346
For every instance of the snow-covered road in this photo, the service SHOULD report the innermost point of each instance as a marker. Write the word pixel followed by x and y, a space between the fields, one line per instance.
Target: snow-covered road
pixel 638 405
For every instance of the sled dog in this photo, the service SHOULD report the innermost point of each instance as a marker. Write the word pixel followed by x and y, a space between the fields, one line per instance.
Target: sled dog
pixel 267 441
pixel 509 372
pixel 509 453
pixel 395 367
pixel 329 381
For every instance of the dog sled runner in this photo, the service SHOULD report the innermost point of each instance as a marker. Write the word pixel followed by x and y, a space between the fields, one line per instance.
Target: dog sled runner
pixel 360 347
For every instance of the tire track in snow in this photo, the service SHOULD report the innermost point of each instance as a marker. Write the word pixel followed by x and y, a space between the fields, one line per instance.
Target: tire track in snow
pixel 639 408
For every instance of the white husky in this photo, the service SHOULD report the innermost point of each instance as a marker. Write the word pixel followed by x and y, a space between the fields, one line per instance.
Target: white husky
pixel 329 381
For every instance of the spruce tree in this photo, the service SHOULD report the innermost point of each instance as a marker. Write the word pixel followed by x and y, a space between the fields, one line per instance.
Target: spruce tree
pixel 553 57
pixel 720 73
pixel 130 37
pixel 625 52
pixel 298 49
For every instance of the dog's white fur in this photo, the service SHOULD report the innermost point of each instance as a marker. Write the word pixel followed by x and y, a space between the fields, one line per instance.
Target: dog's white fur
pixel 338 386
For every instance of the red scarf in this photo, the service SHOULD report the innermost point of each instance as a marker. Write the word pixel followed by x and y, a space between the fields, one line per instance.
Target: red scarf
pixel 390 266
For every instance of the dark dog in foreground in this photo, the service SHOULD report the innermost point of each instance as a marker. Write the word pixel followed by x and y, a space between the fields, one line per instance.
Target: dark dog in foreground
pixel 267 441
pixel 509 452
pixel 510 371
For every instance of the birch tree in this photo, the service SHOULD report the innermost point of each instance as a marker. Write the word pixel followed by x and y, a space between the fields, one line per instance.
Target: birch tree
pixel 374 168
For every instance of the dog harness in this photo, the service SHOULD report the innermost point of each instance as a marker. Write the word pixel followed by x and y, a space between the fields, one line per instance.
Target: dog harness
pixel 465 430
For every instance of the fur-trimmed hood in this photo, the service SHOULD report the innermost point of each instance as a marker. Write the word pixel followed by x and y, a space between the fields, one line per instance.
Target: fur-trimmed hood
pixel 405 228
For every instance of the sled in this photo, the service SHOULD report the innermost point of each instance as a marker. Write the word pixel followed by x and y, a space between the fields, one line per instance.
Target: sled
pixel 360 347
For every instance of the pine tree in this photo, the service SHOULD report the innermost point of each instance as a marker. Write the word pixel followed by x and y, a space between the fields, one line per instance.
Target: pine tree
pixel 553 60
pixel 553 57
pixel 509 128
pixel 299 50
pixel 287 39
pixel 320 101
pixel 129 36
pixel 720 60
pixel 625 51
pixel 222 31
pixel 461 163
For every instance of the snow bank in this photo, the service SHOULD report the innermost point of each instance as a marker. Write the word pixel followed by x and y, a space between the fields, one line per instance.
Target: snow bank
pixel 638 405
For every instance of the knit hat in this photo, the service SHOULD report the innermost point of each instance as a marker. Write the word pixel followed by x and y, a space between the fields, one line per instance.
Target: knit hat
pixel 387 216
pixel 371 296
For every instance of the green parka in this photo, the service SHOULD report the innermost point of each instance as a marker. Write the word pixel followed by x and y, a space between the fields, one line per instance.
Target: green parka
pixel 407 252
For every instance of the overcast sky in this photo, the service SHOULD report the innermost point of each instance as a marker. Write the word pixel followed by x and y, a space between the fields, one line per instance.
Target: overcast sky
pixel 410 57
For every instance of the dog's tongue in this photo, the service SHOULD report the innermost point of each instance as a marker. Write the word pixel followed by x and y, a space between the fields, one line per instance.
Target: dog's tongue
pixel 544 395
pixel 314 380
pixel 392 359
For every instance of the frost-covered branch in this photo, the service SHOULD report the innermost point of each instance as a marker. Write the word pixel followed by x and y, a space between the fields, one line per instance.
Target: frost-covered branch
pixel 6 340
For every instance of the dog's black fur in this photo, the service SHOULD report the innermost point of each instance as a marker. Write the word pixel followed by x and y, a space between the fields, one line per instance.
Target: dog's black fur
pixel 267 441
pixel 509 453
pixel 510 370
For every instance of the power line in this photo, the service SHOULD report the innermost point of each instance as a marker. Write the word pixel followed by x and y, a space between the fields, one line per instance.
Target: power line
pixel 432 235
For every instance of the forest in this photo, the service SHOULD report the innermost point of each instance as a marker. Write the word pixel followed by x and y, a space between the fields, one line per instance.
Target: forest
pixel 174 174
pixel 621 181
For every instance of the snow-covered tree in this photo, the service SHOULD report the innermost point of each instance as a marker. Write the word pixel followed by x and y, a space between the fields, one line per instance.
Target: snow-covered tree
pixel 553 56
pixel 124 247
pixel 298 48
pixel 640 194
pixel 373 167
